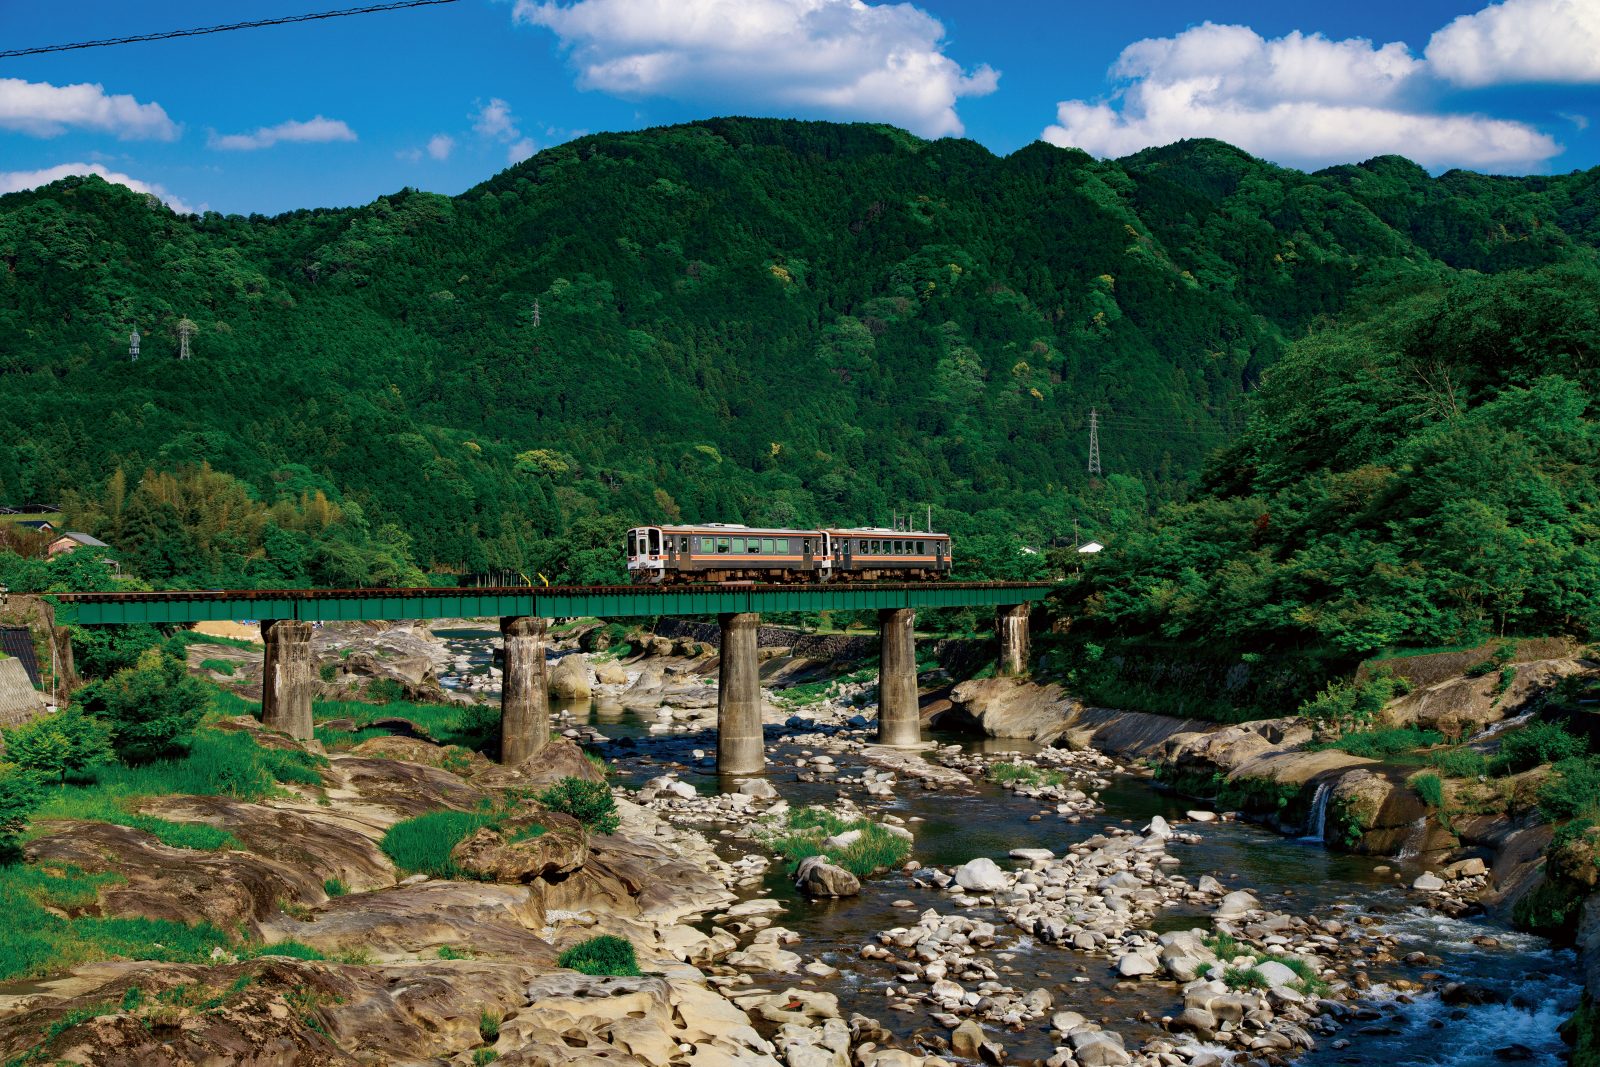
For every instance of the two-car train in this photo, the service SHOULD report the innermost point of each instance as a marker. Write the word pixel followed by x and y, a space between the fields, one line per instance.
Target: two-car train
pixel 724 552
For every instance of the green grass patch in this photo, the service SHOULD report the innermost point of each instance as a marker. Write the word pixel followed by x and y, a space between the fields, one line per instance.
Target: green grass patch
pixel 219 666
pixel 334 887
pixel 189 637
pixel 590 803
pixel 422 845
pixel 603 955
pixel 527 833
pixel 1390 743
pixel 1237 978
pixel 1536 743
pixel 1025 774
pixel 1460 762
pixel 1224 944
pixel 805 830
pixel 344 740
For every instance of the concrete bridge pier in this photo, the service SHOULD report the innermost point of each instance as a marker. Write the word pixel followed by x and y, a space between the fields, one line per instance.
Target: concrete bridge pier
pixel 899 721
pixel 1011 627
pixel 286 681
pixel 741 749
pixel 524 690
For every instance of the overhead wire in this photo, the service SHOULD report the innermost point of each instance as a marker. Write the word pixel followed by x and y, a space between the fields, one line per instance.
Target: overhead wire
pixel 166 35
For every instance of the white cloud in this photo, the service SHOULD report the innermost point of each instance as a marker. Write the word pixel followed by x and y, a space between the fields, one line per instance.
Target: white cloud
pixel 440 145
pixel 845 58
pixel 1520 41
pixel 17 180
pixel 46 110
pixel 318 130
pixel 1301 99
pixel 495 121
pixel 517 151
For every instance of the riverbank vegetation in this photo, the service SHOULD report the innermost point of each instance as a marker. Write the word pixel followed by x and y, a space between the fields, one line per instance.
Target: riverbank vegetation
pixel 867 848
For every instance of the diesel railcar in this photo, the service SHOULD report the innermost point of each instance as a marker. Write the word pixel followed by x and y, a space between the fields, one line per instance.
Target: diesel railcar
pixel 725 552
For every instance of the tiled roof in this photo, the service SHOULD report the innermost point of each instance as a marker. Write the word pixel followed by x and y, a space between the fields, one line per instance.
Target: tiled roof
pixel 16 641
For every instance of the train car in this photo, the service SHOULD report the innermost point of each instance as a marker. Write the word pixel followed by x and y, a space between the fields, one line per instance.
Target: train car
pixel 726 552
pixel 716 552
pixel 873 554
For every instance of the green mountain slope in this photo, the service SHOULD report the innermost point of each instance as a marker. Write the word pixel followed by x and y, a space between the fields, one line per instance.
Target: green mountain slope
pixel 736 319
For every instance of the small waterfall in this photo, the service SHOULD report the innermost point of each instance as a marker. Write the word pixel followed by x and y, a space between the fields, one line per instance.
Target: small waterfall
pixel 1496 729
pixel 1414 840
pixel 1316 824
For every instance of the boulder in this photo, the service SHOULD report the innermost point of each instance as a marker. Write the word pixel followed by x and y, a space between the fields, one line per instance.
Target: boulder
pixel 1135 965
pixel 981 875
pixel 1236 904
pixel 816 877
pixel 1276 973
pixel 610 672
pixel 759 788
pixel 571 679
pixel 967 1039
pixel 1428 883
pixel 1099 1048
pixel 493 854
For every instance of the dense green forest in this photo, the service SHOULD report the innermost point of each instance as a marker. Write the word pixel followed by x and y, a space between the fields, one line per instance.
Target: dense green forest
pixel 766 321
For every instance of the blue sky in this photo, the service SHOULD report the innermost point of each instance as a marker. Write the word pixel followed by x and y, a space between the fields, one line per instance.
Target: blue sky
pixel 340 111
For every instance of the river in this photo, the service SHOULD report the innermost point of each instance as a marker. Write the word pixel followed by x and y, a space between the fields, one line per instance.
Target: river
pixel 1538 985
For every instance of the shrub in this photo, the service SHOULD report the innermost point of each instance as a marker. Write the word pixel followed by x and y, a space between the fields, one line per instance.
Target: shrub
pixel 1573 789
pixel 327 672
pixel 1430 789
pixel 54 746
pixel 1352 705
pixel 1539 742
pixel 1460 763
pixel 604 955
pixel 422 845
pixel 334 887
pixel 478 728
pixel 588 802
pixel 385 691
pixel 19 796
pixel 152 708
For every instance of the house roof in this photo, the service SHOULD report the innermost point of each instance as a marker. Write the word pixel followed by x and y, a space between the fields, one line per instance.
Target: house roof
pixel 15 641
pixel 87 540
pixel 37 524
pixel 1091 546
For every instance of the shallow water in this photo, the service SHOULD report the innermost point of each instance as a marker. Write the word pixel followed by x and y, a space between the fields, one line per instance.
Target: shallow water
pixel 1540 984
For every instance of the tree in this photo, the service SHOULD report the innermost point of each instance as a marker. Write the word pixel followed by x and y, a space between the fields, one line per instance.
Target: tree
pixel 19 796
pixel 152 707
pixel 54 746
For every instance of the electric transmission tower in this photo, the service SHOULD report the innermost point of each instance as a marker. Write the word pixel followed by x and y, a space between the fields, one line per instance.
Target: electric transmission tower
pixel 186 330
pixel 133 346
pixel 536 314
pixel 1094 441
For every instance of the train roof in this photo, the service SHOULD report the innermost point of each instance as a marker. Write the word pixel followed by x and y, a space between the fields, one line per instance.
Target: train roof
pixel 734 528
pixel 881 531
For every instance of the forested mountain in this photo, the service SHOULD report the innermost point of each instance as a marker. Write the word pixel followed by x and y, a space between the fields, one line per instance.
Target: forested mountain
pixel 735 319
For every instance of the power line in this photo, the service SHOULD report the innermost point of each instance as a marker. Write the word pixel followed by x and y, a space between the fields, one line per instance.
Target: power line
pixel 167 35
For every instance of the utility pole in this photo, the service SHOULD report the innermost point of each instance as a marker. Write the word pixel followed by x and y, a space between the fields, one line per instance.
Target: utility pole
pixel 186 330
pixel 536 314
pixel 1094 441
pixel 133 346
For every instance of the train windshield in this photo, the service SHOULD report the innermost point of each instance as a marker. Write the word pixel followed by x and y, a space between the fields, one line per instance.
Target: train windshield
pixel 655 542
pixel 633 544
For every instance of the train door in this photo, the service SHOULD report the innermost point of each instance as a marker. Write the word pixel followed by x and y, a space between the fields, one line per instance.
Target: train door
pixel 939 544
pixel 825 556
pixel 807 557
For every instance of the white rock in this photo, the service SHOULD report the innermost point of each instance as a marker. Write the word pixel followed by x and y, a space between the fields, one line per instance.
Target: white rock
pixel 1428 883
pixel 981 875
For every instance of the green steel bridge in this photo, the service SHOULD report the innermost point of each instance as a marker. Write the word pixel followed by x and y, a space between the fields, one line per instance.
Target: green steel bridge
pixel 287 617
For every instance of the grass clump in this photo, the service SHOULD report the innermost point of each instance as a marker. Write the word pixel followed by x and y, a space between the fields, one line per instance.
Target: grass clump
pixel 219 666
pixel 1430 789
pixel 1025 774
pixel 1237 978
pixel 604 955
pixel 806 829
pixel 1460 763
pixel 590 803
pixel 489 1024
pixel 334 887
pixel 1572 789
pixel 483 1056
pixel 422 845
pixel 1224 944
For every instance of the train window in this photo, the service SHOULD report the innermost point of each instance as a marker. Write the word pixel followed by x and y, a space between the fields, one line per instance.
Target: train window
pixel 633 543
pixel 768 545
pixel 738 546
pixel 683 544
pixel 722 544
pixel 755 546
pixel 899 548
pixel 922 548
pixel 655 542
pixel 877 548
